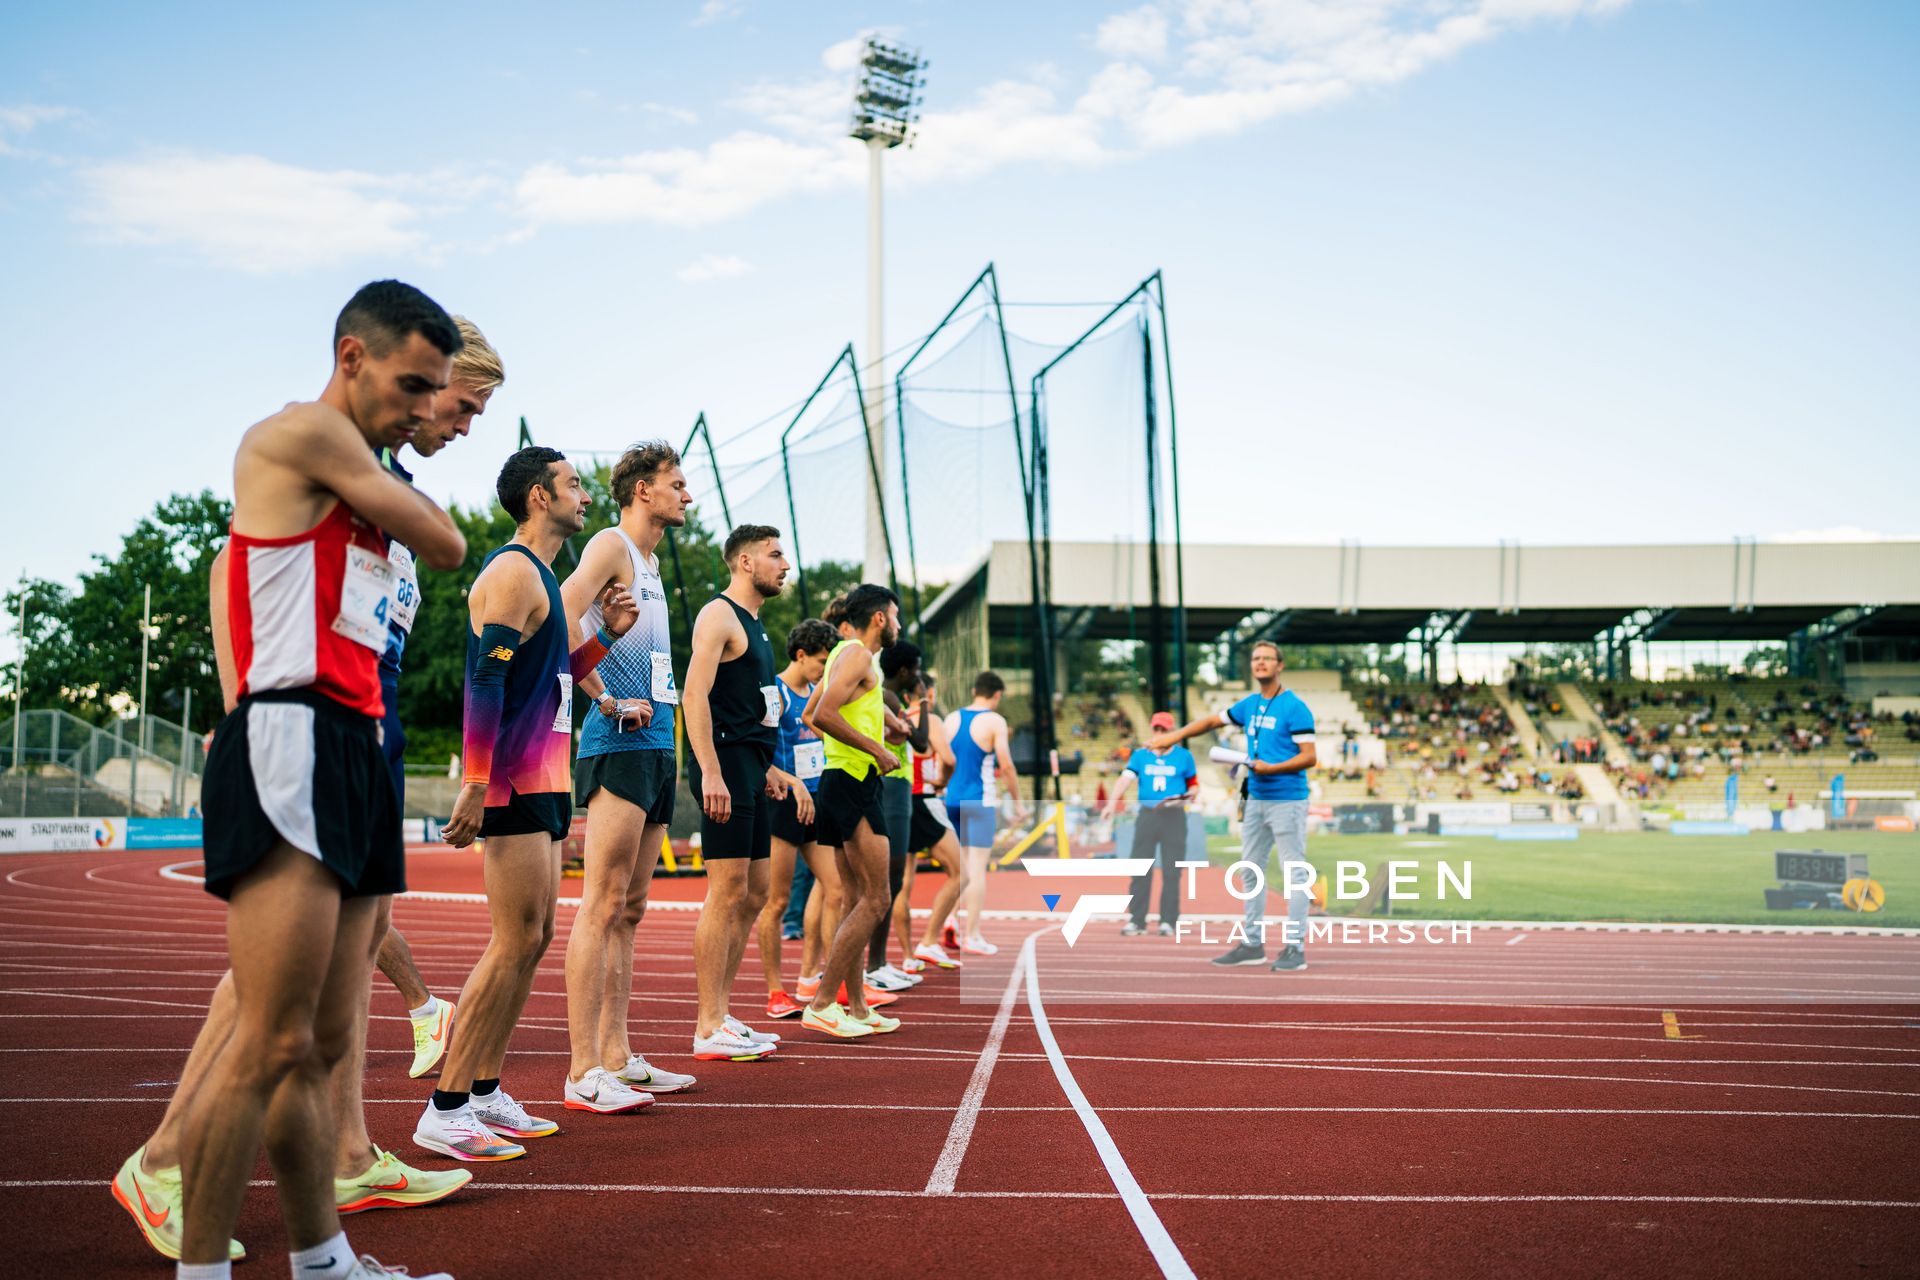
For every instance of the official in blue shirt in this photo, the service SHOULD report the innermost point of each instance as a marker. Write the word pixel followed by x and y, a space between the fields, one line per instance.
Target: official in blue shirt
pixel 1280 750
pixel 1166 780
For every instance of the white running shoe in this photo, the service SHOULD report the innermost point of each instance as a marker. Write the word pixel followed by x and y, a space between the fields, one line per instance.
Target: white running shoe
pixel 978 946
pixel 367 1268
pixel 912 965
pixel 603 1092
pixel 724 1046
pixel 461 1135
pixel 500 1113
pixel 911 979
pixel 935 955
pixel 644 1075
pixel 746 1032
pixel 885 979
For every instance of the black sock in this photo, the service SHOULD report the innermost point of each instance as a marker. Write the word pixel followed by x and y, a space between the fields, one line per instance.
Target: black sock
pixel 449 1099
pixel 484 1087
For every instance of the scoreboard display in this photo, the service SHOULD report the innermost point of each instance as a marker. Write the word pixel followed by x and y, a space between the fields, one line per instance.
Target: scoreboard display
pixel 1810 866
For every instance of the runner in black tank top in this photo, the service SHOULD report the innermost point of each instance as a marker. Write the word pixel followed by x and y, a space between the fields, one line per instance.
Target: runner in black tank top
pixel 732 713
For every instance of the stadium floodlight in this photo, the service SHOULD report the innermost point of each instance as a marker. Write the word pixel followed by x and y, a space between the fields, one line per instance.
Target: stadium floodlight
pixel 886 103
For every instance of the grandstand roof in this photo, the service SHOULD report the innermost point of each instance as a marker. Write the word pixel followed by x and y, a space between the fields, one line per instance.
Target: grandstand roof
pixel 1378 595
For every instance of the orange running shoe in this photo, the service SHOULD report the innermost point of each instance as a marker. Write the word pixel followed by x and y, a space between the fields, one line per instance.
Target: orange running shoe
pixel 876 998
pixel 782 1005
pixel 808 988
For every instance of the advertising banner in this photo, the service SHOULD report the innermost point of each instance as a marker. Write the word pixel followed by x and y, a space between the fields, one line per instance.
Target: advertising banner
pixel 163 833
pixel 61 835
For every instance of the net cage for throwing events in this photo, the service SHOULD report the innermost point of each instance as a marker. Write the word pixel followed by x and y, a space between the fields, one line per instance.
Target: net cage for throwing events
pixel 988 436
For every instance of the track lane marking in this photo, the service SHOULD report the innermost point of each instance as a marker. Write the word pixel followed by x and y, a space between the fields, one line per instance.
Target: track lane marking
pixel 1165 1252
pixel 946 1169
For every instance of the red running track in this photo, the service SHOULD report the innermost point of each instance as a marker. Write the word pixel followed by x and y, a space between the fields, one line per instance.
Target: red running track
pixel 1360 1139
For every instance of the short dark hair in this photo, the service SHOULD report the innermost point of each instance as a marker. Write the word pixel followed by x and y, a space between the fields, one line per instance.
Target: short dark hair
pixel 744 536
pixel 897 657
pixel 642 461
pixel 385 313
pixel 986 684
pixel 811 635
pixel 866 600
pixel 836 611
pixel 531 466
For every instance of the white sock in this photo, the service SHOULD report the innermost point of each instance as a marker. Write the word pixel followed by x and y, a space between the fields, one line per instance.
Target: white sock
pixel 203 1271
pixel 424 1010
pixel 328 1260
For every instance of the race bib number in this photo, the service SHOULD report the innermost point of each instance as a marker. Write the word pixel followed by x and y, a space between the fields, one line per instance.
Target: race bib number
pixel 366 598
pixel 406 587
pixel 664 690
pixel 809 760
pixel 772 695
pixel 563 716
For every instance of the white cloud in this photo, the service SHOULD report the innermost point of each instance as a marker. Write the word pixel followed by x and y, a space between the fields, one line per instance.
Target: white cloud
pixel 714 266
pixel 684 186
pixel 17 122
pixel 679 115
pixel 1137 34
pixel 249 212
pixel 1239 64
pixel 715 10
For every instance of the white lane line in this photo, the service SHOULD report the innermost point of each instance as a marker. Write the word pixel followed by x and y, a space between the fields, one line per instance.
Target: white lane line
pixel 946 1170
pixel 1816 1202
pixel 680 1103
pixel 1139 1208
pixel 1516 939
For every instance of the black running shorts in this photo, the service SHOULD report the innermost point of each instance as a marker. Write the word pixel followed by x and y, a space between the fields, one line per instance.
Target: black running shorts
pixel 842 802
pixel 643 778
pixel 748 830
pixel 549 812
pixel 787 825
pixel 930 824
pixel 297 766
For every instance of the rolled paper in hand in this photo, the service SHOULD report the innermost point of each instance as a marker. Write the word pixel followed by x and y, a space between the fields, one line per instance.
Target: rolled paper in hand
pixel 1226 755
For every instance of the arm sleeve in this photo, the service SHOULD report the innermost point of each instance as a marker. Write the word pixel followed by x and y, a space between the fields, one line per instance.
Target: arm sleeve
pixel 584 659
pixel 920 728
pixel 1236 715
pixel 487 700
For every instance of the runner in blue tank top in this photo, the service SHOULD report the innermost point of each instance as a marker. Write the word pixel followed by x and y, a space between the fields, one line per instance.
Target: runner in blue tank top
pixel 626 775
pixel 982 760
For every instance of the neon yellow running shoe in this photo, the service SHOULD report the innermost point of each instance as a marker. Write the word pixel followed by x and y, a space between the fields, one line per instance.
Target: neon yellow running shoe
pixel 389 1184
pixel 430 1038
pixel 154 1201
pixel 835 1021
pixel 878 1022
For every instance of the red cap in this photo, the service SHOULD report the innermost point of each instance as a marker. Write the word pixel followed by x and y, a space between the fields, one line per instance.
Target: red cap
pixel 1161 720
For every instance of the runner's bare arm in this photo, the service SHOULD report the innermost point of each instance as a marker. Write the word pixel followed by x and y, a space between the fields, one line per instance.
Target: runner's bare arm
pixel 1119 793
pixel 942 743
pixel 222 634
pixel 323 445
pixel 824 713
pixel 711 631
pixel 1003 752
pixel 500 608
pixel 617 614
pixel 594 574
pixel 1308 757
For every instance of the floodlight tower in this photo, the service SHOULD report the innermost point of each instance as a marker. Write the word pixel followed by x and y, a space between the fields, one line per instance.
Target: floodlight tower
pixel 885 106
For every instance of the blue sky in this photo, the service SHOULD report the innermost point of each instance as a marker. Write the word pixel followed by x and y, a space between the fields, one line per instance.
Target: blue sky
pixel 1439 270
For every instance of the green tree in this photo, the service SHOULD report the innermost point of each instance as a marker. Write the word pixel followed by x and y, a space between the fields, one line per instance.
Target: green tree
pixel 83 651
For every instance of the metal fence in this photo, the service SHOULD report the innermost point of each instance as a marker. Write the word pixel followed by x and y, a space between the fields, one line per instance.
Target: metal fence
pixel 58 765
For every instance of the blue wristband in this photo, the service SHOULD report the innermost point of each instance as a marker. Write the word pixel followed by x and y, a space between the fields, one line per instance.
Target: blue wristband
pixel 605 637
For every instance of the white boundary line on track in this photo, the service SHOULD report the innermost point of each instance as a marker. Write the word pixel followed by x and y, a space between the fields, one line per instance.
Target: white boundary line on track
pixel 946 1169
pixel 172 872
pixel 1297 1197
pixel 1153 1231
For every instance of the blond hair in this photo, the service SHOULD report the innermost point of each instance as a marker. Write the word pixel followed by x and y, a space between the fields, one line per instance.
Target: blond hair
pixel 478 364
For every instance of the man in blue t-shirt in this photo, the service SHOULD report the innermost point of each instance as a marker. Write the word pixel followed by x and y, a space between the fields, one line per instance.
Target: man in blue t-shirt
pixel 1275 721
pixel 1166 780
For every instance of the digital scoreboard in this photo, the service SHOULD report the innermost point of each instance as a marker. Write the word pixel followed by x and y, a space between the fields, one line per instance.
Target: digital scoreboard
pixel 1810 866
pixel 1813 879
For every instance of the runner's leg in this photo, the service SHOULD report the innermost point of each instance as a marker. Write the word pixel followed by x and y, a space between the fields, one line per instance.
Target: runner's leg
pixel 780 865
pixel 863 868
pixel 163 1148
pixel 615 829
pixel 728 893
pixel 615 1044
pixel 947 854
pixel 396 962
pixel 522 881
pixel 353 1148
